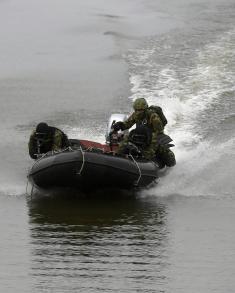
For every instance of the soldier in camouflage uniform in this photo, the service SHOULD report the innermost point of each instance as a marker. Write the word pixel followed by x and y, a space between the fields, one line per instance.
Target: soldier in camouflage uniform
pixel 46 138
pixel 143 115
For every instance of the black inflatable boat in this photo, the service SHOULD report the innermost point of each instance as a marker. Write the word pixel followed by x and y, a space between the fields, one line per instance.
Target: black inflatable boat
pixel 91 167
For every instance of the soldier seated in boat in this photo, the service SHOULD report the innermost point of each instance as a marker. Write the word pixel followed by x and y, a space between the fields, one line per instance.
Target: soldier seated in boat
pixel 46 138
pixel 154 120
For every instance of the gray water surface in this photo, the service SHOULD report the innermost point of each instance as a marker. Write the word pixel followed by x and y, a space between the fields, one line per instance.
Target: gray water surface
pixel 74 63
pixel 122 244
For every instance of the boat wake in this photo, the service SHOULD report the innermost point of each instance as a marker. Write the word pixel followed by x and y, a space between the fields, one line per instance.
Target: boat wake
pixel 191 84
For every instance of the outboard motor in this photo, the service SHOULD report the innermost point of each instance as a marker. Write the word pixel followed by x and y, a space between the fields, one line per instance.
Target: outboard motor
pixel 115 137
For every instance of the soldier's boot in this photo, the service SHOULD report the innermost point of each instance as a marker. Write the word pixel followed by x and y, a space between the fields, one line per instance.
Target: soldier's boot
pixel 169 158
pixel 165 157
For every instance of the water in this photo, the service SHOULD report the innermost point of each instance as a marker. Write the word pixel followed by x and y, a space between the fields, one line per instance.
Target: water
pixel 74 64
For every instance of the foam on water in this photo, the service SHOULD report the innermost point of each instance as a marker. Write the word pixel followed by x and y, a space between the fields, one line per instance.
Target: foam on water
pixel 87 134
pixel 187 96
pixel 205 170
pixel 188 100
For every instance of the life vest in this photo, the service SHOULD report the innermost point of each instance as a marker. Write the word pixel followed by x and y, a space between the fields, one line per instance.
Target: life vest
pixel 141 136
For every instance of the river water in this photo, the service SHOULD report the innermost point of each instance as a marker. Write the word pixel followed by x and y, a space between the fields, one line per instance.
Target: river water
pixel 72 64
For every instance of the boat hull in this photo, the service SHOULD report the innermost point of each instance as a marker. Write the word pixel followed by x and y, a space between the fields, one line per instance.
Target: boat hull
pixel 88 169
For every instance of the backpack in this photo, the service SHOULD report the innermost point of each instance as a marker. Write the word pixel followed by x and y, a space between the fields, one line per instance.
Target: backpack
pixel 159 112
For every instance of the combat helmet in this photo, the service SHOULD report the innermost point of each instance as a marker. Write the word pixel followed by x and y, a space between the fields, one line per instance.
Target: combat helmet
pixel 140 104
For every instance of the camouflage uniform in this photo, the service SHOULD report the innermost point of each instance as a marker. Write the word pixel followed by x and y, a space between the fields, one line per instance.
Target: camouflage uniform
pixel 146 116
pixel 165 156
pixel 53 142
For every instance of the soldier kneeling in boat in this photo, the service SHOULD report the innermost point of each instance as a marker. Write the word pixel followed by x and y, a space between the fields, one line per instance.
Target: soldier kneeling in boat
pixel 152 119
pixel 46 138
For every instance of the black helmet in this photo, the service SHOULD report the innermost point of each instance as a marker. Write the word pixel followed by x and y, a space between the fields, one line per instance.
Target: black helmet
pixel 42 128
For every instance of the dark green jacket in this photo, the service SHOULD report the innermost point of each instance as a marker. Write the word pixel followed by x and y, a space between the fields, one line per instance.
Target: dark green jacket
pixel 153 122
pixel 150 119
pixel 55 142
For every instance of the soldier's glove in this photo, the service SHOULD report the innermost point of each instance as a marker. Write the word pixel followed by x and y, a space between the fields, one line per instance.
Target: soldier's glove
pixel 131 149
pixel 118 126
